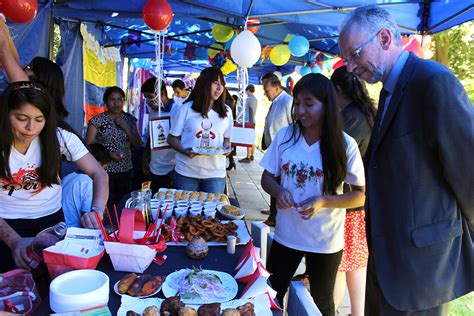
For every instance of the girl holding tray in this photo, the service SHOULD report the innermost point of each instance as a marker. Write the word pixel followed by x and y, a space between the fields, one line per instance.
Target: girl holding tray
pixel 314 158
pixel 204 121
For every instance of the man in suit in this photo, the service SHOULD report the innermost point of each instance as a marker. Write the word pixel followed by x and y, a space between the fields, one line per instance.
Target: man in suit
pixel 420 183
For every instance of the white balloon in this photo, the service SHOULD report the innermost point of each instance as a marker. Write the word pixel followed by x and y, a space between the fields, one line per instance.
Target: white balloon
pixel 246 49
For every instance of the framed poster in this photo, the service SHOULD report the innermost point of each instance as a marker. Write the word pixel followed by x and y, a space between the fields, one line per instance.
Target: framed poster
pixel 159 128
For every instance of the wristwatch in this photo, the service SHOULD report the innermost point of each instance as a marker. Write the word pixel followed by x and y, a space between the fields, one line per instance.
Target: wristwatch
pixel 98 209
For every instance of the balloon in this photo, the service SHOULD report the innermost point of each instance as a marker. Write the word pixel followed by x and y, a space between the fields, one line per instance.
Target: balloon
pixel 222 33
pixel 157 14
pixel 19 11
pixel 228 67
pixel 228 44
pixel 213 52
pixel 305 70
pixel 316 69
pixel 280 55
pixel 252 25
pixel 298 46
pixel 135 62
pixel 245 49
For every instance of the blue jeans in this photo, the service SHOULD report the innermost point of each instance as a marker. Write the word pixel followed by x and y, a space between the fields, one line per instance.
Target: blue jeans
pixel 210 185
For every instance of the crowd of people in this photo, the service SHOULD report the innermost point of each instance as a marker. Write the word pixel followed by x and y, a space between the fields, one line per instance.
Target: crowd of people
pixel 324 144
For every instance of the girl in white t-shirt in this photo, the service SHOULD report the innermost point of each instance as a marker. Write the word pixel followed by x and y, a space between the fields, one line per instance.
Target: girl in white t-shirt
pixel 314 158
pixel 203 121
pixel 30 152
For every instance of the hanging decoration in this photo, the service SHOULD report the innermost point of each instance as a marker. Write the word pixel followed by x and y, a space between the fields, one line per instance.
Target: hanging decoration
pixel 228 67
pixel 298 45
pixel 19 11
pixel 245 49
pixel 222 33
pixel 265 53
pixel 157 14
pixel 213 52
pixel 253 25
pixel 305 70
pixel 218 61
pixel 280 55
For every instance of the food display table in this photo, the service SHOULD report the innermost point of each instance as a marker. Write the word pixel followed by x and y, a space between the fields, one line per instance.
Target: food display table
pixel 217 259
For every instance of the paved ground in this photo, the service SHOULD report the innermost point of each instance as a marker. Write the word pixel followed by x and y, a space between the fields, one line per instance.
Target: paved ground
pixel 244 186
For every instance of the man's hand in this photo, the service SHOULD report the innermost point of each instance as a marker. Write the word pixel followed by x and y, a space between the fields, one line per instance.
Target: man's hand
pixel 190 153
pixel 88 219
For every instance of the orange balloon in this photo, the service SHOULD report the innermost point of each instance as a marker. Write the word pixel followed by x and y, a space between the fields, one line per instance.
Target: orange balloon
pixel 252 25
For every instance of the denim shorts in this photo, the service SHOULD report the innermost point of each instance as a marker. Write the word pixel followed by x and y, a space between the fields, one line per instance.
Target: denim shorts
pixel 210 185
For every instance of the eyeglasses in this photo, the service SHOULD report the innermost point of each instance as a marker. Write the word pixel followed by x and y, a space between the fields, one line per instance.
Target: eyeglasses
pixel 358 51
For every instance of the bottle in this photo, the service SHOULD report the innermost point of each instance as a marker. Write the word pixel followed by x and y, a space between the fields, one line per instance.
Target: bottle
pixel 46 238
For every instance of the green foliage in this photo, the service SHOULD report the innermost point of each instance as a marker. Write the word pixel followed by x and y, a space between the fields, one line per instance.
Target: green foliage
pixel 458 42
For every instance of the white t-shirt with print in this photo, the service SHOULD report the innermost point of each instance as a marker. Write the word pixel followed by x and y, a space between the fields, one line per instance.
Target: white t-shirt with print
pixel 25 197
pixel 301 170
pixel 197 131
pixel 162 161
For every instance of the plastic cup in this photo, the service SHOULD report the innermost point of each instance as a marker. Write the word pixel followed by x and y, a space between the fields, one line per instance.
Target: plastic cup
pixel 210 205
pixel 181 212
pixel 231 243
pixel 195 212
pixel 209 213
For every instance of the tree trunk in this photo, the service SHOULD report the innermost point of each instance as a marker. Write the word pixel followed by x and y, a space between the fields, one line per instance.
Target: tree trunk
pixel 441 54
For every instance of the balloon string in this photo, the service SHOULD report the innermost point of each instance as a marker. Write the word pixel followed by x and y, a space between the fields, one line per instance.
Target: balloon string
pixel 159 56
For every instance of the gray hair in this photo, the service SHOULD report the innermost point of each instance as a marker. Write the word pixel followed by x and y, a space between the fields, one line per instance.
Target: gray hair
pixel 372 19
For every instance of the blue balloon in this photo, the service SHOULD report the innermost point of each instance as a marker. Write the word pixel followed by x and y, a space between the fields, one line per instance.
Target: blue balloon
pixel 316 69
pixel 298 45
pixel 305 70
pixel 136 63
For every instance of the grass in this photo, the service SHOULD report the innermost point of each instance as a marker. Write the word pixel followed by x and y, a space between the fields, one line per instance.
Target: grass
pixel 463 306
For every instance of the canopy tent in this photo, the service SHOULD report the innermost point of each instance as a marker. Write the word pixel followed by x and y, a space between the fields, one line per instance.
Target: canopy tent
pixel 119 24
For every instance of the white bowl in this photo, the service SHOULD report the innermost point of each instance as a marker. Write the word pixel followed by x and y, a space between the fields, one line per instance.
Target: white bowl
pixel 230 216
pixel 79 289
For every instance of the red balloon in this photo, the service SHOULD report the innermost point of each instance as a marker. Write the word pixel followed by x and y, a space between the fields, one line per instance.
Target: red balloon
pixel 157 14
pixel 19 11
pixel 252 25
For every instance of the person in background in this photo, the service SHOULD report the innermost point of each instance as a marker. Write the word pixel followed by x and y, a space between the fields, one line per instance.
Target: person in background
pixel 358 113
pixel 30 190
pixel 251 104
pixel 203 121
pixel 420 192
pixel 313 158
pixel 231 101
pixel 180 93
pixel 117 131
pixel 77 191
pixel 278 116
pixel 158 163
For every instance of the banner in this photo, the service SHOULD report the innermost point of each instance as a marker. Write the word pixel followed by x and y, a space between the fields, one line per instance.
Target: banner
pixel 100 72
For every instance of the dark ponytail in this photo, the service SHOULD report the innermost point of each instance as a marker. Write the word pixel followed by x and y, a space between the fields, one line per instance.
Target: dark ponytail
pixel 353 89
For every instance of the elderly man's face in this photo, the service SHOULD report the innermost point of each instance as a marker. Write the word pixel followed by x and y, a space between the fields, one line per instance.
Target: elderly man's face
pixel 362 54
pixel 271 92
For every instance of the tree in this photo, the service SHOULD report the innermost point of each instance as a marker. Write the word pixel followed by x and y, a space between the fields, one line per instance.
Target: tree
pixel 453 48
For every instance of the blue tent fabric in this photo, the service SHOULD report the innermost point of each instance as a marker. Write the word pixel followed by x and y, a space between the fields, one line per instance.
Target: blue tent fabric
pixel 69 58
pixel 318 21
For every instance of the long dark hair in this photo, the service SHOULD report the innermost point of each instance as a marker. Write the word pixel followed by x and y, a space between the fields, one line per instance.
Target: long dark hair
pixel 201 94
pixel 15 96
pixel 50 75
pixel 332 145
pixel 353 89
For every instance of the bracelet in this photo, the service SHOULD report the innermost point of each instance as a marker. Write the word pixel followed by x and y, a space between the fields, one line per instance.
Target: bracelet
pixel 98 209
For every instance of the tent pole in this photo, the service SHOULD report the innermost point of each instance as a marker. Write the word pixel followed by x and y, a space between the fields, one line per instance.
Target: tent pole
pixel 51 33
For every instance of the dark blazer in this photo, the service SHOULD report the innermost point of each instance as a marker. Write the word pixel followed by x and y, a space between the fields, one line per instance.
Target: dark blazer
pixel 420 190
